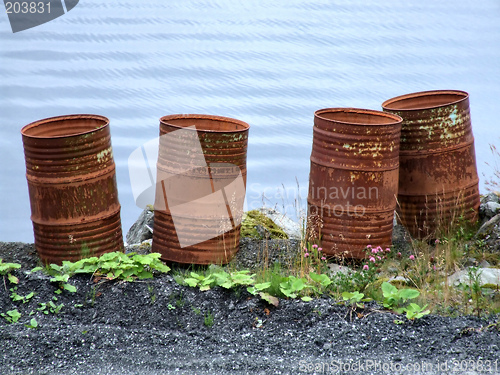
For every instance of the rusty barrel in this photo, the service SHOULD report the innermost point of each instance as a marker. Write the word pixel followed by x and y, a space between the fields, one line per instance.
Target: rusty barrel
pixel 438 181
pixel 200 189
pixel 353 179
pixel 72 187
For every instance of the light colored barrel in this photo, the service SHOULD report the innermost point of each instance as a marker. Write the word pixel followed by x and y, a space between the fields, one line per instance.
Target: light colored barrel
pixel 201 179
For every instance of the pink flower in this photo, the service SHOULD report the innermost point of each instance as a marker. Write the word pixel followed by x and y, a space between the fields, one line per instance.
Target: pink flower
pixel 399 255
pixel 379 258
pixel 388 250
pixel 437 241
pixel 434 268
pixel 412 257
pixel 365 267
pixel 379 248
pixel 374 251
pixel 368 246
pixel 315 246
pixel 305 249
pixel 323 258
pixel 306 255
pixel 372 259
pixel 320 249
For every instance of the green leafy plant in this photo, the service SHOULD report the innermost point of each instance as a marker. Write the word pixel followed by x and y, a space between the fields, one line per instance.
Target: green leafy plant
pixel 32 324
pixel 354 298
pixel 11 316
pixel 414 311
pixel 293 285
pixel 209 319
pixel 16 297
pixel 7 268
pixel 259 289
pixel 394 298
pixel 115 265
pixel 476 292
pixel 50 306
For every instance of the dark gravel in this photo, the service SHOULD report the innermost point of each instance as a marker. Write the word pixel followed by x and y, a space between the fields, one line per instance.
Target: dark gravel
pixel 158 327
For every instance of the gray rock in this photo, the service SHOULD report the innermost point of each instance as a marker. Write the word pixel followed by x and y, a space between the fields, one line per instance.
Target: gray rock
pixel 142 229
pixel 488 276
pixel 489 233
pixel 290 227
pixel 336 268
pixel 491 197
pixel 489 209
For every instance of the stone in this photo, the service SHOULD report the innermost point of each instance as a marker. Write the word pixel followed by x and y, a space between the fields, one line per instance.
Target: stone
pixel 290 227
pixel 142 229
pixel 336 268
pixel 489 209
pixel 491 197
pixel 488 276
pixel 489 233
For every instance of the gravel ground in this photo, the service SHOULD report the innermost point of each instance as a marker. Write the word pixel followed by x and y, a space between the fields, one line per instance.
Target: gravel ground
pixel 158 327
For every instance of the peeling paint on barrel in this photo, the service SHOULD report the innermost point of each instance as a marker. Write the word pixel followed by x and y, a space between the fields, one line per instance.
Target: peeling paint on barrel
pixel 72 187
pixel 353 179
pixel 438 179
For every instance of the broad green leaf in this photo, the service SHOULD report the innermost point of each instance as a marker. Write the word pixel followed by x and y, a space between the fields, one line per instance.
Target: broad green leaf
pixel 388 289
pixel 406 294
pixel 145 275
pixel 69 288
pixel 322 279
pixel 262 286
pixel 269 298
pixel 191 282
pixel 306 299
pixel 13 279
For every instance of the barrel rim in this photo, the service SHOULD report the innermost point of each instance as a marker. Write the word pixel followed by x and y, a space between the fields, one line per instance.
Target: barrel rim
pixel 244 126
pixel 27 128
pixel 397 119
pixel 386 104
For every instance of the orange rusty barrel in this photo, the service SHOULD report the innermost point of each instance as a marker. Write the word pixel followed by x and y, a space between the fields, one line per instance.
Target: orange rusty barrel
pixel 72 187
pixel 353 180
pixel 438 181
pixel 200 190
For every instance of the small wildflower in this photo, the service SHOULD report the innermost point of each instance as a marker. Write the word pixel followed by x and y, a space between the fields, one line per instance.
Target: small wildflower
pixel 379 249
pixel 437 241
pixel 306 255
pixel 388 250
pixel 365 267
pixel 412 257
pixel 374 251
pixel 320 249
pixel 305 249
pixel 372 259
pixel 379 258
pixel 314 246
pixel 399 255
pixel 368 246
pixel 323 258
pixel 434 268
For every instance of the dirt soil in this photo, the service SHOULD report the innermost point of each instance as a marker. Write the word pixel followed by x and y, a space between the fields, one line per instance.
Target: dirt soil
pixel 158 327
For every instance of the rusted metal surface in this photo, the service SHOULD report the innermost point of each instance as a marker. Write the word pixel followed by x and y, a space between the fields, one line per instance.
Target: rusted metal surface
pixel 185 177
pixel 438 181
pixel 72 187
pixel 353 179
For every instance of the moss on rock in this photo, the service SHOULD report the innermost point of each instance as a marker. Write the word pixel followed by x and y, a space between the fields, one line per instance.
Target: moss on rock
pixel 255 223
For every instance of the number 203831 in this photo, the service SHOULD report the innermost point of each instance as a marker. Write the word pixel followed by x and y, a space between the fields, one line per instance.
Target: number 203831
pixel 27 7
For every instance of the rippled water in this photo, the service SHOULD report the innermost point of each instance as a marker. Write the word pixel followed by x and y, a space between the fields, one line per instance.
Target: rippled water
pixel 269 63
